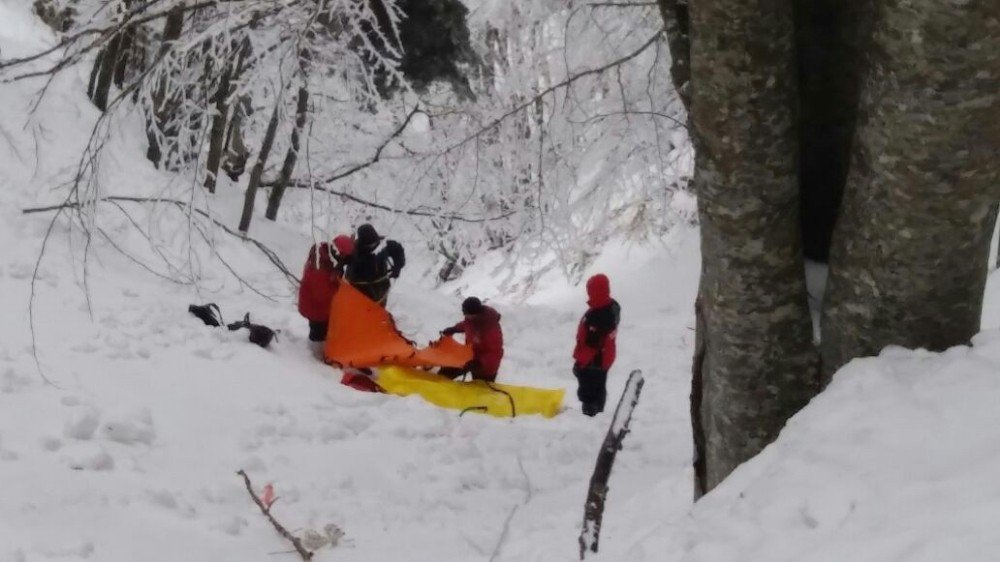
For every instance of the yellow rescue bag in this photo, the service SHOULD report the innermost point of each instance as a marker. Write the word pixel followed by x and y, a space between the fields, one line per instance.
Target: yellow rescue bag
pixel 501 400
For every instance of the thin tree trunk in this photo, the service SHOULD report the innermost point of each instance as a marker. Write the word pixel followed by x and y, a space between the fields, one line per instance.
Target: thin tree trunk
pixel 288 166
pixel 910 251
pixel 677 26
pixel 172 28
pixel 217 136
pixel 107 61
pixel 759 365
pixel 258 168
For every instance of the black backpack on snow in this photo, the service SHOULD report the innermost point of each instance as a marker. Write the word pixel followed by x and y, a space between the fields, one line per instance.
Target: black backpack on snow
pixel 207 313
pixel 259 334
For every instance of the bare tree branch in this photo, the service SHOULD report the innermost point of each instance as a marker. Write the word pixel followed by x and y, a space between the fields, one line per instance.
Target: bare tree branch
pixel 593 511
pixel 266 510
pixel 621 4
pixel 274 259
pixel 564 83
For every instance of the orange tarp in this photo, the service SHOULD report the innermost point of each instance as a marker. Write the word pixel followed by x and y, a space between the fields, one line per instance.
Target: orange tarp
pixel 363 334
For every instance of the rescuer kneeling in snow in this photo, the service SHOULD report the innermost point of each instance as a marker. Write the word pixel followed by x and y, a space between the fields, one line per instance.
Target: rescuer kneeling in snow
pixel 482 331
pixel 595 345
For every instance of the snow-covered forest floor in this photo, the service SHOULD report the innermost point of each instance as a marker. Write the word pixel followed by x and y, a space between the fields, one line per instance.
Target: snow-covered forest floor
pixel 132 451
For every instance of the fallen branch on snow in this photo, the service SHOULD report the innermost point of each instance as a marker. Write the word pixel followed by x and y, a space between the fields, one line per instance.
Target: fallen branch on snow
pixel 593 509
pixel 266 510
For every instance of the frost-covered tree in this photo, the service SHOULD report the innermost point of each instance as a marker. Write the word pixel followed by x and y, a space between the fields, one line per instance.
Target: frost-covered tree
pixel 519 127
pixel 894 104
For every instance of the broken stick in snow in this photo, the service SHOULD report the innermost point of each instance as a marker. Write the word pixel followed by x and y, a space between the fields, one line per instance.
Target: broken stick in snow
pixel 593 510
pixel 266 510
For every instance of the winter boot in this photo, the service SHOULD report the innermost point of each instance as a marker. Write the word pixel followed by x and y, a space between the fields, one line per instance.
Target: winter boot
pixel 316 347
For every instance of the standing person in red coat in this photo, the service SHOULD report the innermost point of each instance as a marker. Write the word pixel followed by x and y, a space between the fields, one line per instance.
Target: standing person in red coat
pixel 320 279
pixel 595 345
pixel 482 330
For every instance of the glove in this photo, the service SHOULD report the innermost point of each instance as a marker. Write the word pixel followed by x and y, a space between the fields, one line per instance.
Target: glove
pixel 448 331
pixel 394 273
pixel 394 248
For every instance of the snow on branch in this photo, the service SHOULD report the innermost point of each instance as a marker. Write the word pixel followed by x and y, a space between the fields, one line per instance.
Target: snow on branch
pixel 593 512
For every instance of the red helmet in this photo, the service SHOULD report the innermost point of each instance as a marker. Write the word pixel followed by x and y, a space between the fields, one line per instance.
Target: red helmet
pixel 344 245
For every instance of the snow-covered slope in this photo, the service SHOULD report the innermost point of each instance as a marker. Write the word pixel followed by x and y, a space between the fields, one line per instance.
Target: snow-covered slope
pixel 131 453
pixel 897 460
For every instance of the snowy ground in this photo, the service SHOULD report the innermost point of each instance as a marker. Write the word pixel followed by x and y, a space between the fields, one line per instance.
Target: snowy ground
pixel 131 454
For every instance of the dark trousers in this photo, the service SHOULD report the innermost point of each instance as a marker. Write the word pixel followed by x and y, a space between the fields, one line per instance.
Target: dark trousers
pixel 591 390
pixel 470 367
pixel 317 331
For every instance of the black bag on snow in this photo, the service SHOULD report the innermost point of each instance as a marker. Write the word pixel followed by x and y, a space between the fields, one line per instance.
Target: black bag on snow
pixel 207 313
pixel 259 334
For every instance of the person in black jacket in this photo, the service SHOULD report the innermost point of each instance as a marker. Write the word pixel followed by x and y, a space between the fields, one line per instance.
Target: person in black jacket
pixel 370 271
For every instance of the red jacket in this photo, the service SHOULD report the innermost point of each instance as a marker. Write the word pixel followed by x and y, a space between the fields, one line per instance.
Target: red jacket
pixel 483 332
pixel 598 329
pixel 320 279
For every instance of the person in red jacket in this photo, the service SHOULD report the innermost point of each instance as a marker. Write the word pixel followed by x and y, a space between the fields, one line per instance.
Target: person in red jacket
pixel 320 278
pixel 482 330
pixel 595 345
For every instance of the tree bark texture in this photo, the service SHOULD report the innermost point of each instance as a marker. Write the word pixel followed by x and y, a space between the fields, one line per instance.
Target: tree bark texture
pixel 258 169
pixel 759 365
pixel 288 166
pixel 910 250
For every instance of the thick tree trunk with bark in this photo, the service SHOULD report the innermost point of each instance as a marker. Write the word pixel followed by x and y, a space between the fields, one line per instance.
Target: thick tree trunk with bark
pixel 910 251
pixel 759 366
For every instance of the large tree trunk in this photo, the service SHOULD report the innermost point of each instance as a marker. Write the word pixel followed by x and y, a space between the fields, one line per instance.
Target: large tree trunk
pixel 759 366
pixel 910 251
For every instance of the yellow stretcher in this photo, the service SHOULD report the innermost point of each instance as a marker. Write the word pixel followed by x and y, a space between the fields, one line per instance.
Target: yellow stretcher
pixel 501 400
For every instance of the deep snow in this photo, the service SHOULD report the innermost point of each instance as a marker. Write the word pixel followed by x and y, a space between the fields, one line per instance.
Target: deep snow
pixel 133 454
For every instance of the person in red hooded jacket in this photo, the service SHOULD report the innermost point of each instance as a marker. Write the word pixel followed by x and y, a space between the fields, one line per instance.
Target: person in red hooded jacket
pixel 320 278
pixel 482 330
pixel 595 345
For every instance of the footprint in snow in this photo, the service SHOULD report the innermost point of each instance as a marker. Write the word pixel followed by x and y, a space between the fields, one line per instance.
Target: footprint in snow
pixel 130 428
pixel 11 382
pixel 82 423
pixel 80 550
pixel 89 457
